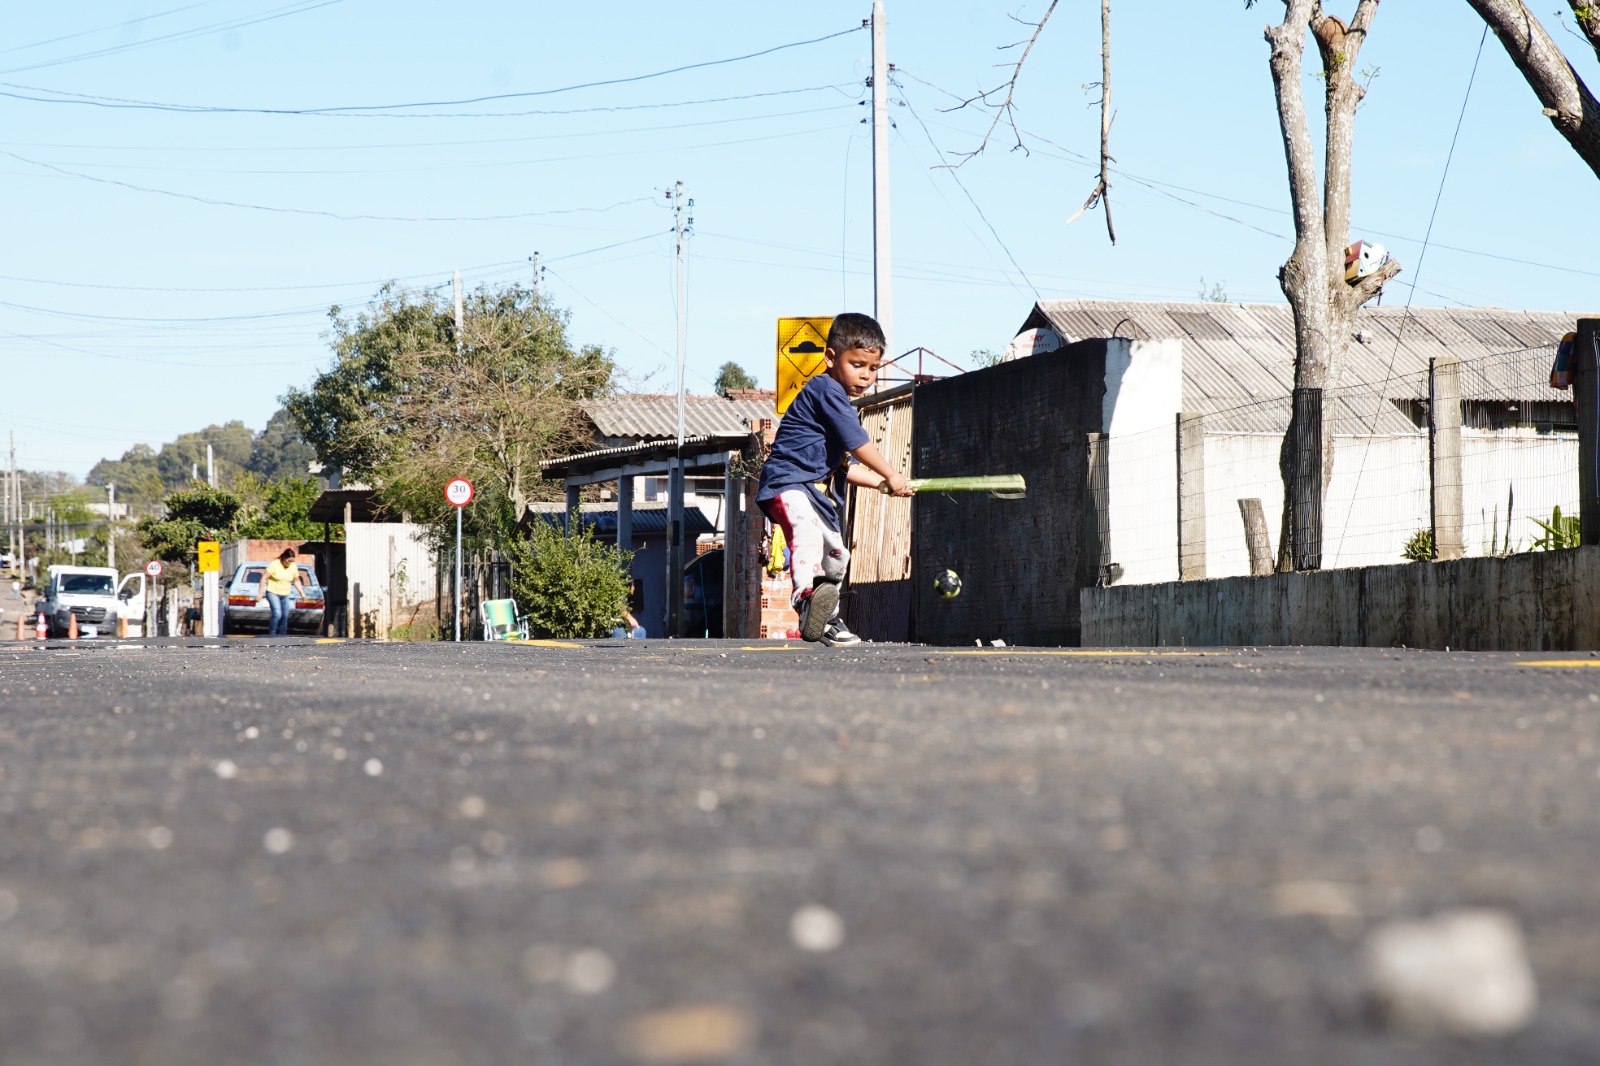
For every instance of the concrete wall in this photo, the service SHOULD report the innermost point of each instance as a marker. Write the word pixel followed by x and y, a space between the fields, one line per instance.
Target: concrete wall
pixel 1021 562
pixel 1540 601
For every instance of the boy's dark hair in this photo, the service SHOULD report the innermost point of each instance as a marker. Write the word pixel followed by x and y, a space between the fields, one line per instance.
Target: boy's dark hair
pixel 852 330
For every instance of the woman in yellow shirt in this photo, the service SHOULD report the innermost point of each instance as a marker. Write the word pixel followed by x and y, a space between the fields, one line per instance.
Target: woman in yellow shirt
pixel 283 586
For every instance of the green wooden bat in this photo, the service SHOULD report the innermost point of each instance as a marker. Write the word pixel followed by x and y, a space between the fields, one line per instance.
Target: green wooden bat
pixel 1002 486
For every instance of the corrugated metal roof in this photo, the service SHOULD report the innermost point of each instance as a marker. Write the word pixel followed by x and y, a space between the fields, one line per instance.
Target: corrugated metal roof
pixel 650 417
pixel 604 457
pixel 648 518
pixel 1238 365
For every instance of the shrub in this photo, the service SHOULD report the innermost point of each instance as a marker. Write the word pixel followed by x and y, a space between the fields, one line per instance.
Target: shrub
pixel 569 586
pixel 1419 549
pixel 1560 532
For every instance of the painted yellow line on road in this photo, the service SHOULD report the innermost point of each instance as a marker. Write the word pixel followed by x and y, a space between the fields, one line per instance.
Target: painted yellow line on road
pixel 1557 662
pixel 544 643
pixel 1100 654
pixel 330 640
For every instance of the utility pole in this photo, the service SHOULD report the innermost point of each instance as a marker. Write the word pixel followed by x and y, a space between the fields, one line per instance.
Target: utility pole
pixel 455 282
pixel 211 467
pixel 538 272
pixel 11 501
pixel 882 308
pixel 675 488
pixel 19 544
pixel 111 524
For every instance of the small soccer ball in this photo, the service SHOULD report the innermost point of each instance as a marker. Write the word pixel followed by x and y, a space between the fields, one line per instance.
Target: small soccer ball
pixel 947 584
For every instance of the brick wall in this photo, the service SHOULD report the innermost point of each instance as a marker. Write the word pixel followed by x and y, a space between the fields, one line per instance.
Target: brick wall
pixel 756 603
pixel 1021 562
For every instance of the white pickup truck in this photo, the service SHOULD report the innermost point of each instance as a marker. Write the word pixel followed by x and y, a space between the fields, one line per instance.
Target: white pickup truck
pixel 95 597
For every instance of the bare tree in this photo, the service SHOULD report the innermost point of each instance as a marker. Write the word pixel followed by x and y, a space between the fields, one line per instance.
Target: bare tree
pixel 1313 279
pixel 1005 109
pixel 1567 101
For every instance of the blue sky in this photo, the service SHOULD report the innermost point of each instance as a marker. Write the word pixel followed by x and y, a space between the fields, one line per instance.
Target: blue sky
pixel 164 268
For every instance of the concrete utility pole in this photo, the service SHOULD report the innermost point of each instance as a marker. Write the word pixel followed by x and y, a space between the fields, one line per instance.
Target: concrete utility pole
pixel 211 467
pixel 111 524
pixel 19 543
pixel 882 308
pixel 537 271
pixel 675 490
pixel 10 507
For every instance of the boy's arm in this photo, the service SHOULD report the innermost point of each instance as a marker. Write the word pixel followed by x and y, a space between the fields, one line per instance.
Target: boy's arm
pixel 877 472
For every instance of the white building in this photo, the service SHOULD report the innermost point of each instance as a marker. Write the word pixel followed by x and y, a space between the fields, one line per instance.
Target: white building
pixel 1233 366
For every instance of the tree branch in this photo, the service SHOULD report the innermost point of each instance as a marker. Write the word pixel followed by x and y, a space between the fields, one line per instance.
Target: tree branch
pixel 1102 185
pixel 1005 110
pixel 1587 16
pixel 1567 101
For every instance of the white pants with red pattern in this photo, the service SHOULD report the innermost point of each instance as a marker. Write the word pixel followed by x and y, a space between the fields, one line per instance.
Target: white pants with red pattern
pixel 815 548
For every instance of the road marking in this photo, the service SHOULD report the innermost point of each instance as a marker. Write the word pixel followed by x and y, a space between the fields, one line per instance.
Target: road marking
pixel 1557 662
pixel 330 640
pixel 768 647
pixel 543 643
pixel 1065 651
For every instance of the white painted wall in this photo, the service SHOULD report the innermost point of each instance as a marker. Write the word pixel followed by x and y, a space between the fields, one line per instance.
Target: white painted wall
pixel 1377 496
pixel 1541 470
pixel 1144 390
pixel 1239 466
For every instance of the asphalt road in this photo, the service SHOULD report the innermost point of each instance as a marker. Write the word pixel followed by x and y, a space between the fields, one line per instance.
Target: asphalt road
pixel 293 852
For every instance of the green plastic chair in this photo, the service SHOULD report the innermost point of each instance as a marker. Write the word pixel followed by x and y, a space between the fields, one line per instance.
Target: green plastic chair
pixel 502 620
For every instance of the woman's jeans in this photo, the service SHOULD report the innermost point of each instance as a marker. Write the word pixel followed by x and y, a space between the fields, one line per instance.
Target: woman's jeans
pixel 279 605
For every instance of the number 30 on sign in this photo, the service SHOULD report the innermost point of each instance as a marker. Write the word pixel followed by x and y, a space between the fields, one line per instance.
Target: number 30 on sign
pixel 458 492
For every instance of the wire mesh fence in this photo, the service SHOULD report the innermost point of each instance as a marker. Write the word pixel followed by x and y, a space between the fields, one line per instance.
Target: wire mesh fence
pixel 1393 467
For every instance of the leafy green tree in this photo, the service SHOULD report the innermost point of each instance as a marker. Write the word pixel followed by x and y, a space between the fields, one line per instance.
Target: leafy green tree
pixel 285 512
pixel 732 376
pixel 230 450
pixel 569 586
pixel 406 408
pixel 195 514
pixel 280 450
pixel 136 476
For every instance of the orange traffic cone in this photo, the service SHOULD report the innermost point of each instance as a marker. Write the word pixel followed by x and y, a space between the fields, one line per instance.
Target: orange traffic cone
pixel 72 626
pixel 40 631
pixel 122 628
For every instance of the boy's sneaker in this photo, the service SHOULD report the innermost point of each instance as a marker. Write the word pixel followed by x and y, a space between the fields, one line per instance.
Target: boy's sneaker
pixel 818 609
pixel 838 635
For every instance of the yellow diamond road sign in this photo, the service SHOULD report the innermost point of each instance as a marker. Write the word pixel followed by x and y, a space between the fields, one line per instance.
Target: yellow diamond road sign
pixel 801 342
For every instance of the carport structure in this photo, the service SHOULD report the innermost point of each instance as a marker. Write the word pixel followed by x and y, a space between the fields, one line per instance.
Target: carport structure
pixel 706 454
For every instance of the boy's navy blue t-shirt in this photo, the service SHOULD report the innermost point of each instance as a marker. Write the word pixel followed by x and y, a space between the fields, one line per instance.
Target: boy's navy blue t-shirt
pixel 816 434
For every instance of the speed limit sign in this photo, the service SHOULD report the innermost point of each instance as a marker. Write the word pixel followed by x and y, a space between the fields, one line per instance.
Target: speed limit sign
pixel 153 568
pixel 458 492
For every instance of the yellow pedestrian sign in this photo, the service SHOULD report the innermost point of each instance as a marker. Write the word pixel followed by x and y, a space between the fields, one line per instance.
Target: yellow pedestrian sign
pixel 801 342
pixel 210 553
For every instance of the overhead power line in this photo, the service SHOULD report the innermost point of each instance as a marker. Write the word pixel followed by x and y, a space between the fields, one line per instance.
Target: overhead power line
pixel 179 35
pixel 841 88
pixel 152 105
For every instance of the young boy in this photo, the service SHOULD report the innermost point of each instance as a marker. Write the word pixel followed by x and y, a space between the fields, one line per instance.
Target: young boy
pixel 802 481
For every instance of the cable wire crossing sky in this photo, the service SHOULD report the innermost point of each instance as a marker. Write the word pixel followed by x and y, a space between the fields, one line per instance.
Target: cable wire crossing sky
pixel 195 187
